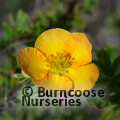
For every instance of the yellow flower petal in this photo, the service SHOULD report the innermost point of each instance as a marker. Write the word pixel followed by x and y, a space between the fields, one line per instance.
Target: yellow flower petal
pixel 54 82
pixel 78 46
pixel 84 77
pixel 52 41
pixel 32 62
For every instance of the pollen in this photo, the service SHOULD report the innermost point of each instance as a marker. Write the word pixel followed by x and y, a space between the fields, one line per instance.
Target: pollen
pixel 59 63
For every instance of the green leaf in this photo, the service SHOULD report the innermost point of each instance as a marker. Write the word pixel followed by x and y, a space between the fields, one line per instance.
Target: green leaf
pixel 20 18
pixel 25 80
pixel 1 70
pixel 14 44
pixel 18 76
pixel 111 52
pixel 111 112
pixel 115 99
pixel 37 29
pixel 8 31
pixel 43 20
pixel 117 77
pixel 112 84
pixel 78 22
pixel 88 4
pixel 105 63
pixel 22 22
pixel 98 53
pixel 12 21
pixel 115 65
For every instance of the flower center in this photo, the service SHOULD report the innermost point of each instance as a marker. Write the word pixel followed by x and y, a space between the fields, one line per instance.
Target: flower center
pixel 59 63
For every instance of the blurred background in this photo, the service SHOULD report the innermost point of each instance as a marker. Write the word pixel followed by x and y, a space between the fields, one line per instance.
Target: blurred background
pixel 22 21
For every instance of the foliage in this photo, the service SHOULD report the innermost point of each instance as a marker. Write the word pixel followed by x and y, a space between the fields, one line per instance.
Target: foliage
pixel 109 80
pixel 37 116
pixel 88 4
pixel 110 113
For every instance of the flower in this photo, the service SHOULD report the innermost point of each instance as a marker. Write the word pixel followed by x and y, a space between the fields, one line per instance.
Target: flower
pixel 60 61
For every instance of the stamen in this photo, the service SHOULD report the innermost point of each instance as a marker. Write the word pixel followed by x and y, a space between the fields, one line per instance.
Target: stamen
pixel 59 63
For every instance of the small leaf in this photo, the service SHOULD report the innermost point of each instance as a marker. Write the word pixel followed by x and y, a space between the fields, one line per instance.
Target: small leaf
pixel 78 22
pixel 12 21
pixel 115 65
pixel 18 76
pixel 43 20
pixel 21 22
pixel 117 77
pixel 1 70
pixel 105 63
pixel 98 53
pixel 25 80
pixel 8 31
pixel 112 111
pixel 115 99
pixel 3 42
pixel 88 4
pixel 20 18
pixel 111 52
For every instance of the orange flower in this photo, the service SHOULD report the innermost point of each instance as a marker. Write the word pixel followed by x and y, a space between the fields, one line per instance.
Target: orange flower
pixel 60 61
